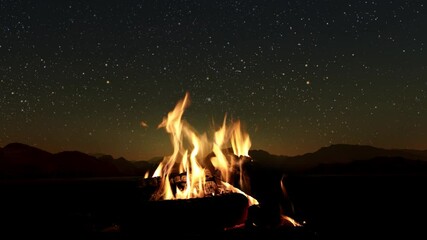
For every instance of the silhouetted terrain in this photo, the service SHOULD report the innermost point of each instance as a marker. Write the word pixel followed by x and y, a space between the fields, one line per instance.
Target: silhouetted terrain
pixel 23 161
pixel 352 159
pixel 342 191
pixel 374 166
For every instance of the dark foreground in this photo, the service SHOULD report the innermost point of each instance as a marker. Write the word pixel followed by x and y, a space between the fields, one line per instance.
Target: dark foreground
pixel 363 207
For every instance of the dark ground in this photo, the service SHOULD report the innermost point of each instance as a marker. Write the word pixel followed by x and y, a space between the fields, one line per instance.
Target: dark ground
pixel 356 207
pixel 363 207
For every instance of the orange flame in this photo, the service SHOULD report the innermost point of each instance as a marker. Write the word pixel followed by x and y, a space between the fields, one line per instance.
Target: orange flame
pixel 286 220
pixel 240 141
pixel 186 161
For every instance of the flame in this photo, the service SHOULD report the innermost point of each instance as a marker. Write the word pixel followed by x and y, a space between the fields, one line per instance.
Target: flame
pixel 144 124
pixel 184 173
pixel 286 220
pixel 220 160
pixel 252 201
pixel 240 141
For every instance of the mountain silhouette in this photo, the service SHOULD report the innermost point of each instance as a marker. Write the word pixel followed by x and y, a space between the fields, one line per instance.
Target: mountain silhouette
pixel 126 167
pixel 376 166
pixel 19 160
pixel 78 164
pixel 336 154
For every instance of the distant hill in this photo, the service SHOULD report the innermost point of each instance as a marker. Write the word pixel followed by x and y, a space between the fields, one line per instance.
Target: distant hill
pixel 341 157
pixel 347 153
pixel 18 160
pixel 78 164
pixel 128 168
pixel 374 166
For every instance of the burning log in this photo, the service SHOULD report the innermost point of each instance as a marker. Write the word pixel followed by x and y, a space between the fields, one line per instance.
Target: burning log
pixel 219 209
pixel 236 175
pixel 212 186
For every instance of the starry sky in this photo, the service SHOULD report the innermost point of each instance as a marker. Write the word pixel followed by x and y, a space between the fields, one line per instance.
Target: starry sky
pixel 300 75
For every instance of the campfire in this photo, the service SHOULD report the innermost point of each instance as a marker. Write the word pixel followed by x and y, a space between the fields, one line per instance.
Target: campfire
pixel 189 173
pixel 204 179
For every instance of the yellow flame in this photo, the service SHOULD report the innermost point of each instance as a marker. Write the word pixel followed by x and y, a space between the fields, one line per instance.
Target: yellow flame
pixel 188 155
pixel 220 161
pixel 240 141
pixel 158 171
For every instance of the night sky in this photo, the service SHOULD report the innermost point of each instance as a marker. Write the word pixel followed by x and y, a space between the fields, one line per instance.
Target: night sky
pixel 300 75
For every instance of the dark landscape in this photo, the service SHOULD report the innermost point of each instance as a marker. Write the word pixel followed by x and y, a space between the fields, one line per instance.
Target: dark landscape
pixel 344 191
pixel 322 104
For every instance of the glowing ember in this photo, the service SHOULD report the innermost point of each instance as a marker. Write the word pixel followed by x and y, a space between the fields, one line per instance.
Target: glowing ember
pixel 288 220
pixel 188 172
